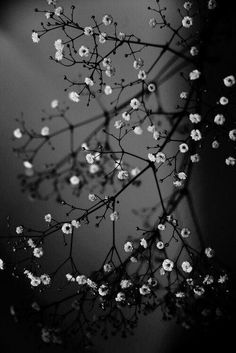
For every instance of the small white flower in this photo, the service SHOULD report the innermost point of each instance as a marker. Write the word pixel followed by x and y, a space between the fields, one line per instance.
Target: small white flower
pixel 58 45
pixel 103 290
pixel 110 71
pixel 195 158
pixel 187 22
pixel 106 62
pixel 142 75
pixel 182 176
pixel 89 158
pixel 208 279
pixel 128 247
pixel 17 133
pixel 180 295
pixel 48 218
pixel 102 37
pixel 81 280
pixel 35 281
pixel 177 183
pixel 35 37
pixel 219 119
pixel 54 103
pixel 107 90
pixel 230 161
pixel 107 268
pixel 183 95
pixel 83 51
pixel 194 75
pixel 143 243
pixel 120 297
pixel 58 11
pixel 160 245
pixel 232 135
pixel 144 290
pixel 151 128
pixel 74 97
pixel 93 168
pixel 195 118
pixel 19 230
pixel 151 157
pixel 229 81
pixel 66 228
pixel 135 104
pixel 133 259
pixel 199 291
pixel 138 130
pixel 121 35
pixel 138 64
pixel 160 157
pixel 185 232
pixel 152 87
pixel 168 265
pixel 74 180
pixel 222 278
pixel 215 144
pixel 70 278
pixel 59 55
pixel 31 243
pixel 107 20
pixel 194 51
pixel 75 223
pixel 88 81
pixel 88 31
pixel 28 165
pixel 114 216
pixel 209 252
pixel 125 283
pixel 92 197
pixel 212 4
pixel 187 5
pixel 135 171
pixel 48 15
pixel 156 135
pixel 152 22
pixel 84 146
pixel 123 174
pixel 38 252
pixel 161 226
pixel 45 279
pixel 186 266
pixel 45 131
pixel 118 124
pixel 1 264
pixel 196 134
pixel 223 100
pixel 126 116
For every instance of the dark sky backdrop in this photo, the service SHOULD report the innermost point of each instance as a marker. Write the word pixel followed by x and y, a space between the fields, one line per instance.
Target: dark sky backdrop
pixel 28 83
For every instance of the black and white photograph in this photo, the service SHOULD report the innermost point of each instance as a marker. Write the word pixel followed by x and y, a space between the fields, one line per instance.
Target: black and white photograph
pixel 117 176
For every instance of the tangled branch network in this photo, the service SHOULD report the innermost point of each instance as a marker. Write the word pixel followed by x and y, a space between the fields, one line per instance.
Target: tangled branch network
pixel 134 139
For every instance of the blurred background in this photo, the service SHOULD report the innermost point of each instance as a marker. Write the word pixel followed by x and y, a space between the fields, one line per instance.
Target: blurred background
pixel 29 82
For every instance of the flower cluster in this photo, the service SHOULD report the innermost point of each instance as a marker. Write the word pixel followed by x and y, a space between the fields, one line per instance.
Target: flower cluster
pixel 103 166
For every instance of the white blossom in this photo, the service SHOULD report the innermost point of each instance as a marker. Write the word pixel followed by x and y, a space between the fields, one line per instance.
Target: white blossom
pixel 74 96
pixel 17 133
pixel 66 228
pixel 35 37
pixel 114 216
pixel 194 75
pixel 229 81
pixel 144 290
pixel 128 247
pixel 187 21
pixel 168 265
